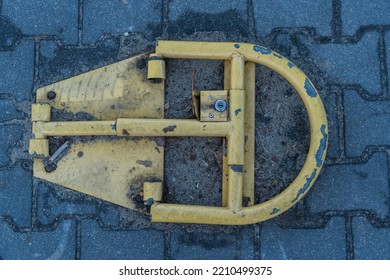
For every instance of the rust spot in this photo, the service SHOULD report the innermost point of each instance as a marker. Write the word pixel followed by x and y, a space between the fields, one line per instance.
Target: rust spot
pixel 169 128
pixel 125 132
pixel 146 163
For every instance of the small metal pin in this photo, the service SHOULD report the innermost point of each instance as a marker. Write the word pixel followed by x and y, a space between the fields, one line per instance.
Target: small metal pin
pixel 211 116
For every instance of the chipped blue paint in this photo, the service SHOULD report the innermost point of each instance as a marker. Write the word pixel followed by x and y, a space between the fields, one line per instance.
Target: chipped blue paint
pixel 321 149
pixel 277 55
pixel 290 64
pixel 276 210
pixel 113 126
pixel 33 135
pixel 261 50
pixel 310 90
pixel 237 168
pixel 305 186
pixel 237 46
pixel 237 111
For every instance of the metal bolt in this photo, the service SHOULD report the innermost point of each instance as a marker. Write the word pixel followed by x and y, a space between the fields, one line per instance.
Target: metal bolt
pixel 51 95
pixel 211 116
pixel 211 97
pixel 220 105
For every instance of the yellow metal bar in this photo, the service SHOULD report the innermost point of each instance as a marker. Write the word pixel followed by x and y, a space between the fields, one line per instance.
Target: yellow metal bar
pixel 76 128
pixel 171 127
pixel 192 50
pixel 249 162
pixel 236 140
pixel 237 71
pixel 234 195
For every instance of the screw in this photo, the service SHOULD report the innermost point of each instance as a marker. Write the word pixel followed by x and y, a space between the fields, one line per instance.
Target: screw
pixel 51 95
pixel 211 116
pixel 220 105
pixel 50 167
pixel 211 97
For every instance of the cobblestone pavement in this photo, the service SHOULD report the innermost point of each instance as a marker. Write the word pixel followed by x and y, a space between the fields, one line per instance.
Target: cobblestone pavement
pixel 342 45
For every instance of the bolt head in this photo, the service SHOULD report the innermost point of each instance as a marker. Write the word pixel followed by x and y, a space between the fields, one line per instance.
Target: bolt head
pixel 211 116
pixel 51 95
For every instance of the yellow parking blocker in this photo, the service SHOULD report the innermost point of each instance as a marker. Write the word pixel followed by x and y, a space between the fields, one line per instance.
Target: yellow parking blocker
pixel 126 161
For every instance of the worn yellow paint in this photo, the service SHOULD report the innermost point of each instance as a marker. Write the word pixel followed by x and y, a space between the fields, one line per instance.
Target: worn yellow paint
pixel 40 112
pixel 238 163
pixel 153 190
pixel 119 90
pixel 39 148
pixel 112 170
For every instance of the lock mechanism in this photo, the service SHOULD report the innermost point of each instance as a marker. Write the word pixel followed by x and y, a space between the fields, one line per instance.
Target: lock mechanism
pixel 123 163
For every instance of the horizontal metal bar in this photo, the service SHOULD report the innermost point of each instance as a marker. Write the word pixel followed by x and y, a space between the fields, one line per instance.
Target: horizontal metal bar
pixel 172 127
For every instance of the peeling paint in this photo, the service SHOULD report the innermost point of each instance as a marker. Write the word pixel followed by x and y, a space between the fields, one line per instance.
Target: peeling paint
pixel 305 186
pixel 261 50
pixel 237 111
pixel 125 132
pixel 310 90
pixel 169 128
pixel 237 46
pixel 113 126
pixel 146 163
pixel 290 64
pixel 321 149
pixel 236 168
pixel 274 211
pixel 277 55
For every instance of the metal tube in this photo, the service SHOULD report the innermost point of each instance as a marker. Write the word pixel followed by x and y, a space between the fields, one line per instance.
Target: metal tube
pixel 171 127
pixel 76 128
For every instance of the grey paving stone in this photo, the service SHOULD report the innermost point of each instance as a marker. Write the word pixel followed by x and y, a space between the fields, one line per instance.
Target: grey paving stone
pixel 17 70
pixel 322 243
pixel 38 245
pixel 8 110
pixel 188 17
pixel 287 14
pixel 358 13
pixel 370 243
pixel 15 195
pixel 349 63
pixel 366 123
pixel 211 246
pixel 9 134
pixel 387 43
pixel 42 17
pixel 97 243
pixel 119 17
pixel 352 187
pixel 54 201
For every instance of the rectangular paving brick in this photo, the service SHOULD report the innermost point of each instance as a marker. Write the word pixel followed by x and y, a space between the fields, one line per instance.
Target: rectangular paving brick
pixel 54 201
pixel 188 17
pixel 354 63
pixel 42 17
pixel 210 246
pixel 366 123
pixel 352 187
pixel 17 70
pixel 97 243
pixel 15 195
pixel 370 243
pixel 58 243
pixel 9 134
pixel 119 17
pixel 287 14
pixel 303 244
pixel 358 13
pixel 8 110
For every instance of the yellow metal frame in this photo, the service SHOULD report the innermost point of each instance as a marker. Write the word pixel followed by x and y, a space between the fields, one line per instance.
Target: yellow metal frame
pixel 240 59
